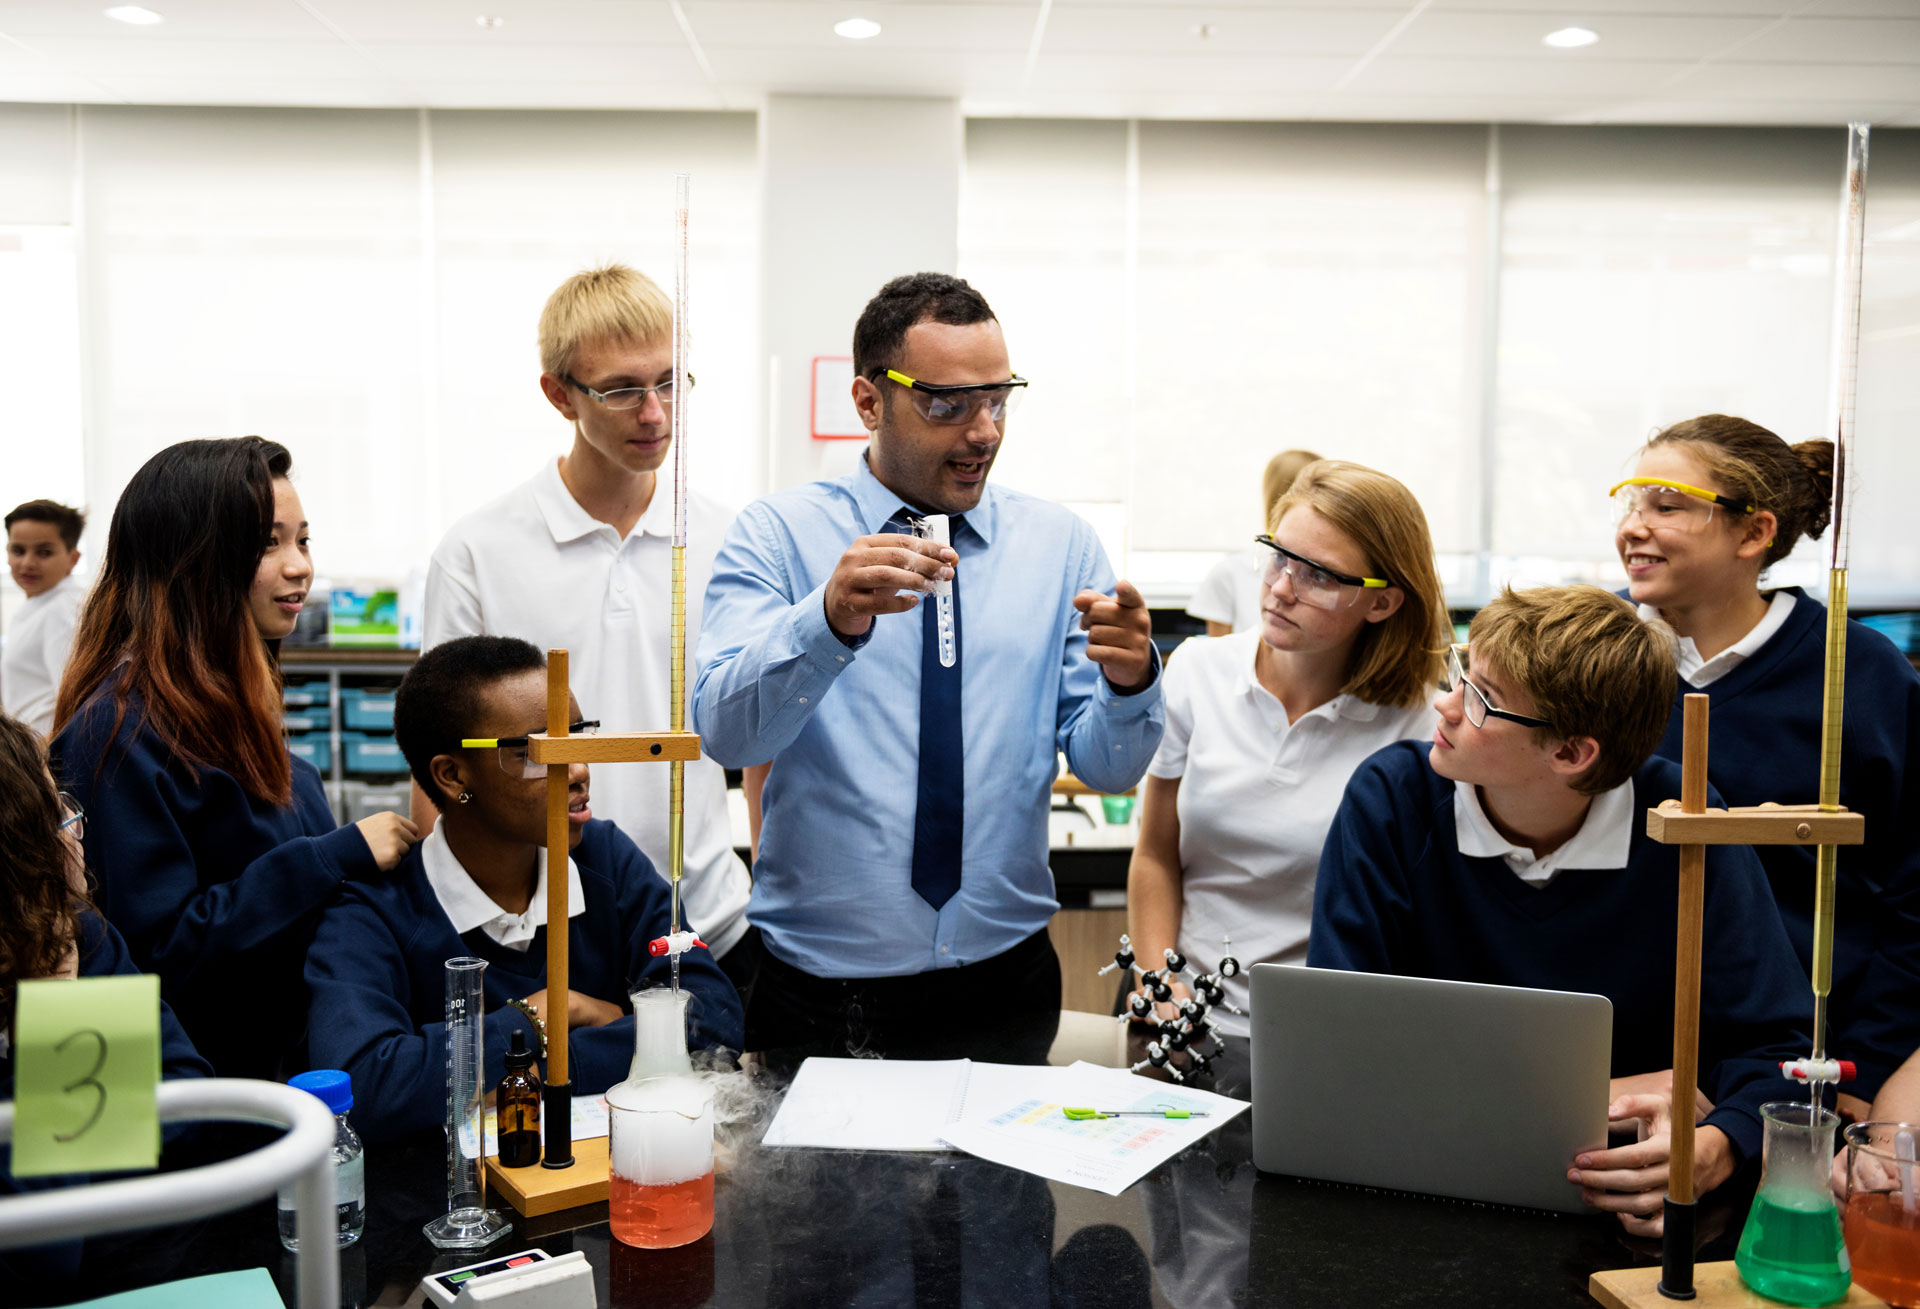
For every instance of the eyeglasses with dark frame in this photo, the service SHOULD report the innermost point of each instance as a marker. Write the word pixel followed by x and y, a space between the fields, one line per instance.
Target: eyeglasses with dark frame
pixel 1475 703
pixel 626 397
pixel 512 750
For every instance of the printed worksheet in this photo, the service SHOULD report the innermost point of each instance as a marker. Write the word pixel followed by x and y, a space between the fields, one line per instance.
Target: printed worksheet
pixel 1031 1131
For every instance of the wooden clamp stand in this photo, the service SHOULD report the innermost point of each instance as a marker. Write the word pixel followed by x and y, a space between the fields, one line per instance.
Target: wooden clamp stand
pixel 1690 825
pixel 563 1180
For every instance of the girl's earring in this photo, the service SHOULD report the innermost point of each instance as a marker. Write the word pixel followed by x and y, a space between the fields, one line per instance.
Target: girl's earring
pixel 464 796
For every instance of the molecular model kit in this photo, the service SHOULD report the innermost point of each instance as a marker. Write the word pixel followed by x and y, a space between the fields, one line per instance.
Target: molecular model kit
pixel 1188 1030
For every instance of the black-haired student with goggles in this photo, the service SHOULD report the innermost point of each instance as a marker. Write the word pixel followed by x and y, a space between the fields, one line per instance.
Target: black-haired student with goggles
pixel 477 885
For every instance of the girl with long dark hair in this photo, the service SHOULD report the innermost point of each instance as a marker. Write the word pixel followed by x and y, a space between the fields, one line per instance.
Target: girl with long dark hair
pixel 49 930
pixel 216 849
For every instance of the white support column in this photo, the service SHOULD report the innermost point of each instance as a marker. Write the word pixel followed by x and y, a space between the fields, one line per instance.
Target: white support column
pixel 855 191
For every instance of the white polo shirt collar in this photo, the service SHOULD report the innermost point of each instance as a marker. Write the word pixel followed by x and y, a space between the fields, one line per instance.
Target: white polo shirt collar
pixel 1603 841
pixel 1699 672
pixel 468 907
pixel 568 521
pixel 1341 706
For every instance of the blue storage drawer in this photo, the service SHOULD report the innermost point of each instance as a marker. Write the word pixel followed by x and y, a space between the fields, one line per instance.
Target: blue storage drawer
pixel 371 756
pixel 314 747
pixel 365 710
pixel 314 718
pixel 306 692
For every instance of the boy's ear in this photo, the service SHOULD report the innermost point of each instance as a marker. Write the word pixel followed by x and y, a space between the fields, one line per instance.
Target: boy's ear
pixel 449 774
pixel 1575 755
pixel 560 396
pixel 1386 604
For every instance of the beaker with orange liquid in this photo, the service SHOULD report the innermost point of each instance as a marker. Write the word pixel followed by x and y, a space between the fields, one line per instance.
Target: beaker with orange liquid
pixel 1882 1217
pixel 660 1193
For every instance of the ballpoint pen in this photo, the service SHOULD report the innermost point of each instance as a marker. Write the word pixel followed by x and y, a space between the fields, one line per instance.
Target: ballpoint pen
pixel 1079 1114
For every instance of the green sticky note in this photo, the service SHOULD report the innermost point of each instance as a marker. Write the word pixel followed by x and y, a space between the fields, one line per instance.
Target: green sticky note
pixel 86 1062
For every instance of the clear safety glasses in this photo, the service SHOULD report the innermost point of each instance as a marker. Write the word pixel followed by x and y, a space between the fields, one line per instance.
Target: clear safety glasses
pixel 1475 703
pixel 76 817
pixel 1669 506
pixel 512 750
pixel 1316 584
pixel 627 397
pixel 955 406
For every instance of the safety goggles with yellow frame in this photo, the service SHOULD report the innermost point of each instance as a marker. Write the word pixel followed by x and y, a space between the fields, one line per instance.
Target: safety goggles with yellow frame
pixel 512 750
pixel 1670 506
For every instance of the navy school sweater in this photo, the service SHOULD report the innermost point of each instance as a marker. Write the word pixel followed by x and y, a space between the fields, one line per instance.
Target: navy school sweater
pixel 377 971
pixel 1395 895
pixel 38 1269
pixel 1764 744
pixel 215 891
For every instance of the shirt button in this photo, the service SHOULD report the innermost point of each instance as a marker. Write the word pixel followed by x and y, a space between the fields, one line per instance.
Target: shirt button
pixel 840 659
pixel 944 950
pixel 803 699
pixel 619 586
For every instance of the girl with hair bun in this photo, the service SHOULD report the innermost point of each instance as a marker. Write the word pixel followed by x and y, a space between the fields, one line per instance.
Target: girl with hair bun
pixel 1713 502
pixel 217 850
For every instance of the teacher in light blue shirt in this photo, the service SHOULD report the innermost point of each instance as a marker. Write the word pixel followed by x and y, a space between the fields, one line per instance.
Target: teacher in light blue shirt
pixel 902 890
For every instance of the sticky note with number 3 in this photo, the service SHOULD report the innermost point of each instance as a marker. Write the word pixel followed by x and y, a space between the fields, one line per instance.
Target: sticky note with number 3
pixel 86 1060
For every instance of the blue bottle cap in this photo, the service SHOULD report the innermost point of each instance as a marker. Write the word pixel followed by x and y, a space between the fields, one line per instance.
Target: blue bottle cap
pixel 333 1087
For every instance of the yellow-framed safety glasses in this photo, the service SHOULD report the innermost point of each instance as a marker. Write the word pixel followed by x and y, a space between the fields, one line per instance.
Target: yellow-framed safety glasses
pixel 1315 583
pixel 512 750
pixel 955 406
pixel 1670 506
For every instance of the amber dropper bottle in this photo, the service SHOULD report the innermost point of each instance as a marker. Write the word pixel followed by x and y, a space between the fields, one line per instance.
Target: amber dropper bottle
pixel 518 1108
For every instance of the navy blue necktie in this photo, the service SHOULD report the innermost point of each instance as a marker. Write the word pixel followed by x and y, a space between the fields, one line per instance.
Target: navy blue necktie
pixel 940 804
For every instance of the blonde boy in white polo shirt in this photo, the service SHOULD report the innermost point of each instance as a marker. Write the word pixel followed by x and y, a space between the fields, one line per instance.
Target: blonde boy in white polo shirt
pixel 580 558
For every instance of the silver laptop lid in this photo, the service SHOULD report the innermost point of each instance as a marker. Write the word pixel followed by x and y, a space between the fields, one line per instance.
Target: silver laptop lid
pixel 1448 1088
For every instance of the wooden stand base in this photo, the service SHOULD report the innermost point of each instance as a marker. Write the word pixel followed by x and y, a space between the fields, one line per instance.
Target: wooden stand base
pixel 1716 1286
pixel 536 1190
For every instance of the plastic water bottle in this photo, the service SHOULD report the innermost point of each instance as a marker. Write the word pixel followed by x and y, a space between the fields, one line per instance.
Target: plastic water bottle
pixel 334 1090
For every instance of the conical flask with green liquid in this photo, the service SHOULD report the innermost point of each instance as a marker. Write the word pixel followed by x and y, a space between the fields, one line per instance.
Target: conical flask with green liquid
pixel 1791 1249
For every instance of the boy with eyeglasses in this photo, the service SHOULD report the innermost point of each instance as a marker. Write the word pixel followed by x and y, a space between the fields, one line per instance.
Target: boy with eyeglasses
pixel 1512 849
pixel 580 558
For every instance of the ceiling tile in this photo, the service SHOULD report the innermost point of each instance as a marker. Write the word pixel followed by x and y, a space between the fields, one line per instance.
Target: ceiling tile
pixel 453 22
pixel 1846 40
pixel 206 20
pixel 1650 37
pixel 1168 29
pixel 1810 82
pixel 724 24
pixel 1389 75
pixel 177 59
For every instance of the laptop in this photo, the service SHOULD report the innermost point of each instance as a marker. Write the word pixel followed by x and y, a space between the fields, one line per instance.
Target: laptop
pixel 1454 1089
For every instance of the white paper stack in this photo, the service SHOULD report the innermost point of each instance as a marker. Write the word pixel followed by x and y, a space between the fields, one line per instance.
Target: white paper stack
pixel 1008 1113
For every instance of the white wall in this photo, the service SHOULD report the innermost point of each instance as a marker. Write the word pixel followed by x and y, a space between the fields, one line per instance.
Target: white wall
pixel 854 192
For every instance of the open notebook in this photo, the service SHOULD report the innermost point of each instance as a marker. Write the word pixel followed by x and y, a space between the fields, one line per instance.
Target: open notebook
pixel 1008 1113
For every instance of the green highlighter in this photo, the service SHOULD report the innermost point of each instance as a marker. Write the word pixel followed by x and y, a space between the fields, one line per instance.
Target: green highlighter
pixel 1081 1115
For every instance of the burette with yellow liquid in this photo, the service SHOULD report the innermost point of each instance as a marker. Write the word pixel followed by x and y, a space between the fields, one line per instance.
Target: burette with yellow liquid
pixel 1843 375
pixel 677 714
